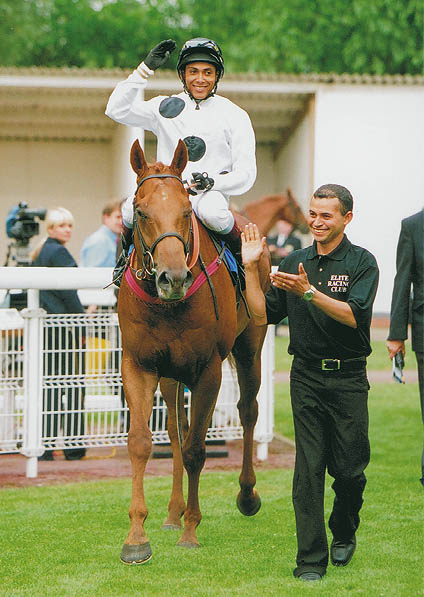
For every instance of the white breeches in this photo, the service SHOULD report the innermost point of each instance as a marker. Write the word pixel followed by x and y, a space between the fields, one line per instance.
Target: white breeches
pixel 212 209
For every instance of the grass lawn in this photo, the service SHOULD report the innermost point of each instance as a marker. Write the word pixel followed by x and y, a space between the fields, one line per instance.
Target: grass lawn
pixel 65 540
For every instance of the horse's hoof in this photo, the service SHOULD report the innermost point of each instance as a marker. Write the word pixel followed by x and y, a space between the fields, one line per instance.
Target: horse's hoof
pixel 136 554
pixel 171 527
pixel 188 544
pixel 250 506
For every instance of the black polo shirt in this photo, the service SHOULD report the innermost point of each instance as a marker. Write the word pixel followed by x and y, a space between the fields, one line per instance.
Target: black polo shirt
pixel 349 273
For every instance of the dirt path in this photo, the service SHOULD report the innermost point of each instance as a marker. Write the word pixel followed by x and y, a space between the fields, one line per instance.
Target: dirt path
pixel 113 463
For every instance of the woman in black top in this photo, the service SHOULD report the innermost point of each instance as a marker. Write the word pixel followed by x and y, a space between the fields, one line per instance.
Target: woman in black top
pixel 60 343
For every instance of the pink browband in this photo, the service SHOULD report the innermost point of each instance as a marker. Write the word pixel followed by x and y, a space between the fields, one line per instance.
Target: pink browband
pixel 147 298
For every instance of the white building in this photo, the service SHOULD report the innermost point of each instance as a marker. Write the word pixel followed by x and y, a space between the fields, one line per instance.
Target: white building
pixel 58 148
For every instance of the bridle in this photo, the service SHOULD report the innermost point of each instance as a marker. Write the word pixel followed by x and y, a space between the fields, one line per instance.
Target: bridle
pixel 148 264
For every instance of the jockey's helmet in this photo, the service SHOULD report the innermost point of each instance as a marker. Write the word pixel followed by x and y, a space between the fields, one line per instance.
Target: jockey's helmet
pixel 200 49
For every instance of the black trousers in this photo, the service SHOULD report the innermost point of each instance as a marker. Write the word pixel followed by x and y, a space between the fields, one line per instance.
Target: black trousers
pixel 60 360
pixel 420 362
pixel 330 413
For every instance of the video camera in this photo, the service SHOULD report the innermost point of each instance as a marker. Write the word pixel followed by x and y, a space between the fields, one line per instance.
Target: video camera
pixel 21 226
pixel 21 223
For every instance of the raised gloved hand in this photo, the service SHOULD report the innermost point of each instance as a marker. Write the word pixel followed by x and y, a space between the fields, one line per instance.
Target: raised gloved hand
pixel 160 54
pixel 202 181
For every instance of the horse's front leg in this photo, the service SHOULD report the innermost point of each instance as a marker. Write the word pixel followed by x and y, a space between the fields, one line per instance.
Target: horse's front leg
pixel 139 387
pixel 176 505
pixel 203 399
pixel 248 363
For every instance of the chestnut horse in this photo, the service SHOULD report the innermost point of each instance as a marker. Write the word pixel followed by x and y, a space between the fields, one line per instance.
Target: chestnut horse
pixel 176 329
pixel 267 210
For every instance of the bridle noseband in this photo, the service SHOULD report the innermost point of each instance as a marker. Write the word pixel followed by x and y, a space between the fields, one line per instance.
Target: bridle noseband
pixel 149 269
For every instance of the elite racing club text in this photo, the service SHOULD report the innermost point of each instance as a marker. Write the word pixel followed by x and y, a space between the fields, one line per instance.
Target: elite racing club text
pixel 338 283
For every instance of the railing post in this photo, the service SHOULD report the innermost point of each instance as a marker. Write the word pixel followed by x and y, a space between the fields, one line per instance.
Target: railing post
pixel 264 429
pixel 33 376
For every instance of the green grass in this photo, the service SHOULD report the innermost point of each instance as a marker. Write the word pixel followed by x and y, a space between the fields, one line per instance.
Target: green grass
pixel 65 540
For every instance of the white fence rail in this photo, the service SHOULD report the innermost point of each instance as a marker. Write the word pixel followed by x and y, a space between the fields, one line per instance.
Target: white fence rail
pixel 60 385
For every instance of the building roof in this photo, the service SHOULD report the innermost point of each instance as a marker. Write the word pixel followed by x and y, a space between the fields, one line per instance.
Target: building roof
pixel 69 103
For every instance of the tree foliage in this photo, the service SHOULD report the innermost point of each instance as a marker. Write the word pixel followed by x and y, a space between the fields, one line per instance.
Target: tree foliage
pixel 299 36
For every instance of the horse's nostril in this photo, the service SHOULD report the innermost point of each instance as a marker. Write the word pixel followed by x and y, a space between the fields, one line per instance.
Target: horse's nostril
pixel 189 278
pixel 167 279
pixel 164 279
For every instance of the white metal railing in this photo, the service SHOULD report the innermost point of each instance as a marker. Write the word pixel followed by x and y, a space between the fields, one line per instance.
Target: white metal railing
pixel 61 387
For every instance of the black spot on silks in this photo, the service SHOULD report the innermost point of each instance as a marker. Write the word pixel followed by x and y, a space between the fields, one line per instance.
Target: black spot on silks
pixel 196 148
pixel 170 107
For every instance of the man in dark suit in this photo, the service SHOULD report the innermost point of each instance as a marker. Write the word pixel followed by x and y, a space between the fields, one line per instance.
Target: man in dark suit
pixel 409 277
pixel 283 243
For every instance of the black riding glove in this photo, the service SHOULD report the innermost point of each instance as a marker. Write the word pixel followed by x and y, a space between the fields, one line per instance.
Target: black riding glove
pixel 202 180
pixel 159 54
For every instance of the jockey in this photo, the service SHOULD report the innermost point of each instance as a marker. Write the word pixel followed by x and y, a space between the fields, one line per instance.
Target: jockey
pixel 218 134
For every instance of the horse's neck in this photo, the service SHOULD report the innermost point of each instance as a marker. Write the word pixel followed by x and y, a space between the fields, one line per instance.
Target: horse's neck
pixel 266 211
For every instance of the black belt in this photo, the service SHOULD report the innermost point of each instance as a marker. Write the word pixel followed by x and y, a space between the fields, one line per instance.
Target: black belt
pixel 335 364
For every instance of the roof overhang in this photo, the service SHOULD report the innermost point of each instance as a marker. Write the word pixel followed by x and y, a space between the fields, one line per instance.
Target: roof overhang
pixel 69 104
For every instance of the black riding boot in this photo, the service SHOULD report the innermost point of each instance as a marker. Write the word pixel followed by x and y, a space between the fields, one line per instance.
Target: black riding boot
pixel 233 241
pixel 121 263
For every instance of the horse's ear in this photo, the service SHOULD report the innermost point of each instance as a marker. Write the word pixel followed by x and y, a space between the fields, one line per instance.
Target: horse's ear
pixel 179 161
pixel 137 159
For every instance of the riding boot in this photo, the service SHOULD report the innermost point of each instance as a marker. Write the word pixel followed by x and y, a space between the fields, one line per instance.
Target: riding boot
pixel 233 241
pixel 122 261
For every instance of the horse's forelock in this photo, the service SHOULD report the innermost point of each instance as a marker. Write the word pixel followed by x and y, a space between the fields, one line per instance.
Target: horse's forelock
pixel 157 168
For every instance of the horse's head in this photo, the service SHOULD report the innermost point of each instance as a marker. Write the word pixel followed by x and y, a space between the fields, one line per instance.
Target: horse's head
pixel 162 223
pixel 294 214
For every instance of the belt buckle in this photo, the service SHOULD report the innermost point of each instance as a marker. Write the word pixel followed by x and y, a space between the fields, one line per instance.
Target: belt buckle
pixel 330 364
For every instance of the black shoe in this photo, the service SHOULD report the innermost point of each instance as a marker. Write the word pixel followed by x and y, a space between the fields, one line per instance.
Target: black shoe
pixel 74 454
pixel 308 576
pixel 341 552
pixel 46 456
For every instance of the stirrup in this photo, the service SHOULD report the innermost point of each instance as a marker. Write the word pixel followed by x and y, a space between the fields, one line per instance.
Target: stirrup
pixel 119 269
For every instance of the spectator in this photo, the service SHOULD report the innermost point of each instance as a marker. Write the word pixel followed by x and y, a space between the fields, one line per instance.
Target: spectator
pixel 409 278
pixel 283 243
pixel 99 249
pixel 60 344
pixel 330 340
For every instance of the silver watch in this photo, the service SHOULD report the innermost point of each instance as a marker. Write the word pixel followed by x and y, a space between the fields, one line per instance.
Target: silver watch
pixel 309 294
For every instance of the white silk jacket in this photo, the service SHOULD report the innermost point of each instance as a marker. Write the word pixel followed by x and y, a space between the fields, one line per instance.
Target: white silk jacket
pixel 218 135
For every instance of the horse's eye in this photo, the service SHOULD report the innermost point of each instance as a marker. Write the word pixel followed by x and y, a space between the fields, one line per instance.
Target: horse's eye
pixel 187 214
pixel 140 214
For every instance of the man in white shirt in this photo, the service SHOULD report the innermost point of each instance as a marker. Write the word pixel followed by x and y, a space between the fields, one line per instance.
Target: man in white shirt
pixel 218 133
pixel 99 249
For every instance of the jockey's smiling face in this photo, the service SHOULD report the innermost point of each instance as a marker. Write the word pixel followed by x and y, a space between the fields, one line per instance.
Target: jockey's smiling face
pixel 200 79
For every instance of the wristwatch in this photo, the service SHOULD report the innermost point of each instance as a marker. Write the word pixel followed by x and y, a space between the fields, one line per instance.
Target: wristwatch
pixel 309 294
